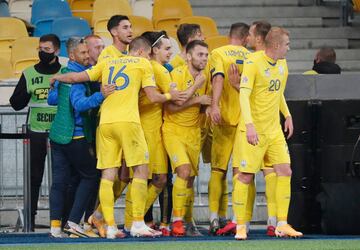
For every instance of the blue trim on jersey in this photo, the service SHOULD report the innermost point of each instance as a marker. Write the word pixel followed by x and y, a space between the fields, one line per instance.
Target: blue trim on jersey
pixel 272 64
pixel 169 67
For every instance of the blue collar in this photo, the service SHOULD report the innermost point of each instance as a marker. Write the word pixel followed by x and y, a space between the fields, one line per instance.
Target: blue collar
pixel 77 67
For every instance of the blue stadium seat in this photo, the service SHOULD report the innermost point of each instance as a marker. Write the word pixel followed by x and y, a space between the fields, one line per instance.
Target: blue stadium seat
pixel 67 27
pixel 44 12
pixel 4 9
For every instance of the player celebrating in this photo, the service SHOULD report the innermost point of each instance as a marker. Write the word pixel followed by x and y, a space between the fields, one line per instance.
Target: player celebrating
pixel 262 86
pixel 225 112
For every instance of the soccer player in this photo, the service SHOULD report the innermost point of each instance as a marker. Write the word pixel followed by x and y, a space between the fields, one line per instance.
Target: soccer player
pixel 181 129
pixel 120 133
pixel 225 113
pixel 120 29
pixel 185 33
pixel 261 139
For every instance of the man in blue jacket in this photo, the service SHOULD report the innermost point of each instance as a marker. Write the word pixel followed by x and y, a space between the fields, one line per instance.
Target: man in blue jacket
pixel 71 135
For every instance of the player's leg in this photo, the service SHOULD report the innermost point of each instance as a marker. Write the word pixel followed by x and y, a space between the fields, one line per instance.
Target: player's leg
pixel 270 194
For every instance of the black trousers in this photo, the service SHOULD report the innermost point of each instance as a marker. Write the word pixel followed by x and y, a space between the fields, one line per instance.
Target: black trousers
pixel 38 151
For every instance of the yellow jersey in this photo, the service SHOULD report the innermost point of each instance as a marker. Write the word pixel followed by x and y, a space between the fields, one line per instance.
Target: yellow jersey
pixel 220 61
pixel 151 113
pixel 111 52
pixel 177 61
pixel 266 79
pixel 189 117
pixel 129 74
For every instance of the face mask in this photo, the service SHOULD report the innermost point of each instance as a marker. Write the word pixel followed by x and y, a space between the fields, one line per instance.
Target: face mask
pixel 46 57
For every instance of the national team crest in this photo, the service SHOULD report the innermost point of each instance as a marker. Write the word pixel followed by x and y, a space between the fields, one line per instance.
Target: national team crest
pixel 173 85
pixel 281 70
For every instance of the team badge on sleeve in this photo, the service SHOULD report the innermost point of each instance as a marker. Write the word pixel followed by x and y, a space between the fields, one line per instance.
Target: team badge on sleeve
pixel 244 80
pixel 281 70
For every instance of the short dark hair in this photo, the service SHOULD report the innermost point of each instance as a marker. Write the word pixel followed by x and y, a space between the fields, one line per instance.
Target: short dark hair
pixel 262 28
pixel 195 43
pixel 327 54
pixel 139 43
pixel 239 30
pixel 54 39
pixel 186 31
pixel 114 21
pixel 154 37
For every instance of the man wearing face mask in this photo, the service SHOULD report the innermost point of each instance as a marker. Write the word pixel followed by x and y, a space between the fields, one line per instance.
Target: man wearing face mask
pixel 32 91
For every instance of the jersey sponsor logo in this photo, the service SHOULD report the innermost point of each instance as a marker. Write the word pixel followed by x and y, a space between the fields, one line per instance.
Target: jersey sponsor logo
pixel 119 75
pixel 41 93
pixel 45 117
pixel 239 61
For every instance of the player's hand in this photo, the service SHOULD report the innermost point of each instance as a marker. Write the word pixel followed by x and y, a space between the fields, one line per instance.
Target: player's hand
pixel 107 89
pixel 178 96
pixel 208 111
pixel 215 114
pixel 205 99
pixel 288 127
pixel 251 134
pixel 199 80
pixel 234 76
pixel 52 81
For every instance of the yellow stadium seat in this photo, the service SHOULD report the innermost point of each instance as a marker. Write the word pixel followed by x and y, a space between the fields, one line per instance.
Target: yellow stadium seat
pixel 100 28
pixel 24 53
pixel 6 70
pixel 216 41
pixel 356 5
pixel 82 8
pixel 207 24
pixel 140 24
pixel 11 29
pixel 104 9
pixel 167 13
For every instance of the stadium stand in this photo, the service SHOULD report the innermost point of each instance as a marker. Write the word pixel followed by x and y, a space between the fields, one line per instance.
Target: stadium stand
pixel 142 8
pixel 21 9
pixel 7 36
pixel 4 9
pixel 166 14
pixel 104 9
pixel 216 41
pixel 43 19
pixel 6 70
pixel 82 8
pixel 207 24
pixel 140 24
pixel 356 4
pixel 67 27
pixel 24 53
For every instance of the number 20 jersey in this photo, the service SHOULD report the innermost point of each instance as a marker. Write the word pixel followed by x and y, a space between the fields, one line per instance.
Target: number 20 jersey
pixel 266 79
pixel 129 74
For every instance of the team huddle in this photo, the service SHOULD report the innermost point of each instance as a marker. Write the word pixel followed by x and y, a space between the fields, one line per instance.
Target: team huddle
pixel 156 116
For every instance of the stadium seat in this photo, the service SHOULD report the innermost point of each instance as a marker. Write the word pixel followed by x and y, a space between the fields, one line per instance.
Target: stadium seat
pixel 356 5
pixel 24 53
pixel 4 9
pixel 100 29
pixel 43 19
pixel 140 24
pixel 67 27
pixel 21 9
pixel 142 8
pixel 8 35
pixel 166 14
pixel 104 9
pixel 82 8
pixel 216 41
pixel 207 24
pixel 6 70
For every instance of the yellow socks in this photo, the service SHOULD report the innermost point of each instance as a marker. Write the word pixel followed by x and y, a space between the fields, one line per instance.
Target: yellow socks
pixel 139 197
pixel 55 223
pixel 250 201
pixel 224 201
pixel 128 208
pixel 189 205
pixel 118 188
pixel 153 193
pixel 270 193
pixel 239 198
pixel 179 198
pixel 283 190
pixel 106 196
pixel 215 191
